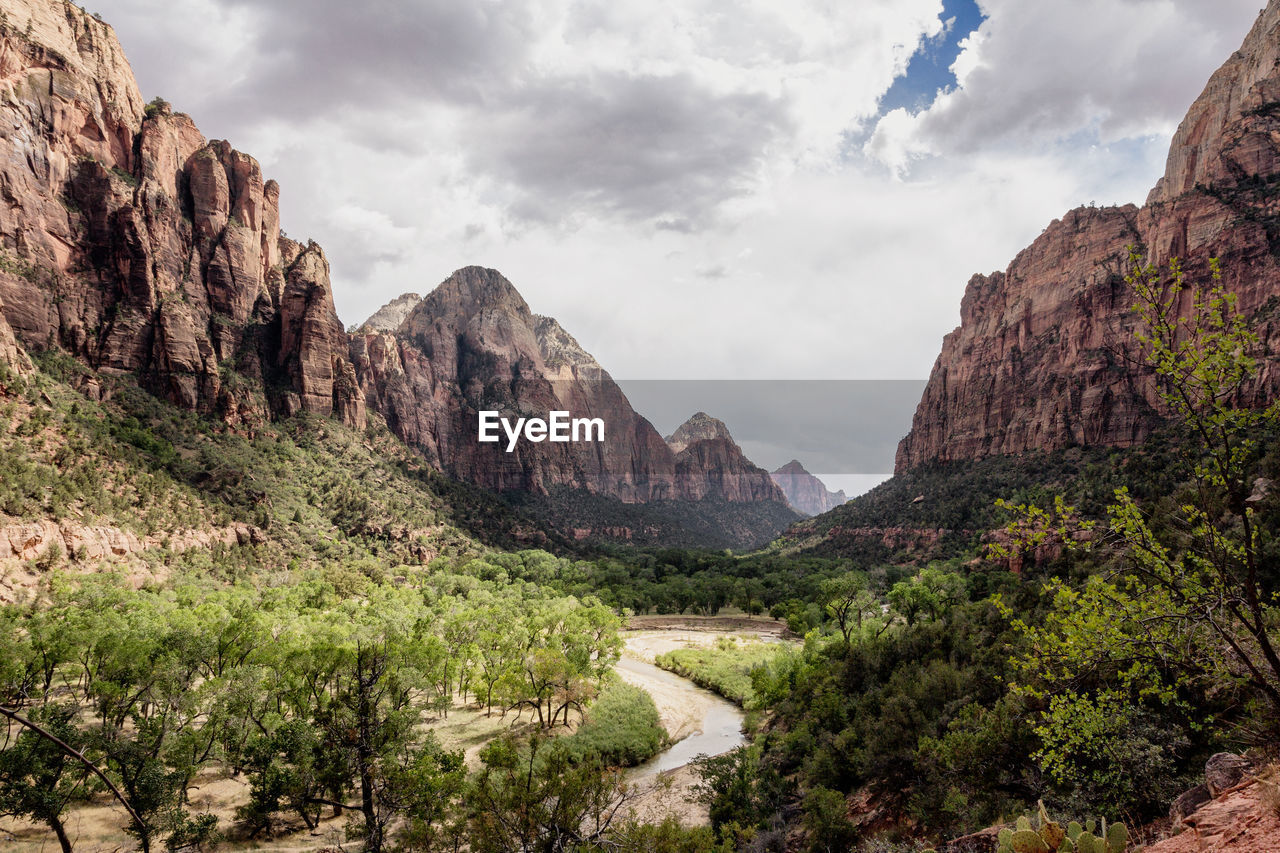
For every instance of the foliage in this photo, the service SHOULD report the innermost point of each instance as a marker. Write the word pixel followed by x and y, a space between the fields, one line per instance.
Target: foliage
pixel 318 698
pixel 1043 835
pixel 37 778
pixel 725 669
pixel 1186 609
pixel 541 797
pixel 621 729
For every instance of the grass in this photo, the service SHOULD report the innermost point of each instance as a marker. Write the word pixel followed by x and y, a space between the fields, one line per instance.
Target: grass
pixel 621 727
pixel 724 669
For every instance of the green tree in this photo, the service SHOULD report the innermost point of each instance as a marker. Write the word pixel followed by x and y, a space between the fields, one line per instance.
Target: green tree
pixel 1189 607
pixel 540 798
pixel 38 779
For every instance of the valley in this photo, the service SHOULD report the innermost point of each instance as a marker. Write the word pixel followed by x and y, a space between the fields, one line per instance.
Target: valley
pixel 270 582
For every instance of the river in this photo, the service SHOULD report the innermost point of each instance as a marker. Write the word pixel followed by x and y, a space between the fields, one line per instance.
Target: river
pixel 710 725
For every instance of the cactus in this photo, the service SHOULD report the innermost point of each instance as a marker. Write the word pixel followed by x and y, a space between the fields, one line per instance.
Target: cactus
pixel 1117 838
pixel 1087 843
pixel 1049 836
pixel 1029 841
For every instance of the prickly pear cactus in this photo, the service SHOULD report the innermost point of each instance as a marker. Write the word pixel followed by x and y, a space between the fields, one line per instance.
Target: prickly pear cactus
pixel 1029 841
pixel 1044 835
pixel 1117 838
pixel 1047 836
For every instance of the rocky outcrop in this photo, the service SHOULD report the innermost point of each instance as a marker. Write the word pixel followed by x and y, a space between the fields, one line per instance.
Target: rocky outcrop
pixel 11 354
pixel 32 540
pixel 1044 356
pixel 711 466
pixel 389 317
pixel 699 427
pixel 136 245
pixel 805 493
pixel 472 344
pixel 1232 812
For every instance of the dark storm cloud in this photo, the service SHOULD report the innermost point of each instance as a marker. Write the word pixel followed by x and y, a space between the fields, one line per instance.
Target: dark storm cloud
pixel 640 147
pixel 324 55
pixel 657 148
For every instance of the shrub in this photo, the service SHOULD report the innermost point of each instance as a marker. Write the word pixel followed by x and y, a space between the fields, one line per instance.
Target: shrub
pixel 622 727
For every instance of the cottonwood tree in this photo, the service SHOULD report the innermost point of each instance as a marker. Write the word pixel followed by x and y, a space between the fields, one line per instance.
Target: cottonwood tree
pixel 1190 601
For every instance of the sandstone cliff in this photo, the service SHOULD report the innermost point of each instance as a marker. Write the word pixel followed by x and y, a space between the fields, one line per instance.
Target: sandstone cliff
pixel 711 465
pixel 1043 356
pixel 699 427
pixel 389 317
pixel 136 245
pixel 805 492
pixel 473 344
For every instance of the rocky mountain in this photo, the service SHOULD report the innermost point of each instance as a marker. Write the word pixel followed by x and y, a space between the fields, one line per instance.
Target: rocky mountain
pixel 1043 356
pixel 389 317
pixel 473 344
pixel 136 245
pixel 699 427
pixel 711 466
pixel 805 493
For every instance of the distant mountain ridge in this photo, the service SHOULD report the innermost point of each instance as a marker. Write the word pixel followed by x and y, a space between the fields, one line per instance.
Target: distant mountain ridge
pixel 806 493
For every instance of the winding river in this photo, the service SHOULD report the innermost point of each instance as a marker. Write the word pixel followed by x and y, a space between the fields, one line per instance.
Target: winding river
pixel 710 725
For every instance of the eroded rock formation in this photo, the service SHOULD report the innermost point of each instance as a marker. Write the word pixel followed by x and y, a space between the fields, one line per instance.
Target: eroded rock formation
pixel 136 245
pixel 472 344
pixel 1044 354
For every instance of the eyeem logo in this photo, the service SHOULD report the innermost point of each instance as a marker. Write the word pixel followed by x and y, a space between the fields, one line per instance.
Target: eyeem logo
pixel 558 427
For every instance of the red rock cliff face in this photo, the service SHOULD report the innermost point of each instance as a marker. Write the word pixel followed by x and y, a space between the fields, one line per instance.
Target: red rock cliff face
pixel 1042 358
pixel 136 245
pixel 711 466
pixel 473 344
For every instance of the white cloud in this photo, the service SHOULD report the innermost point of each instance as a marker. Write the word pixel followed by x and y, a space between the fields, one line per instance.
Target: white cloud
pixel 1038 76
pixel 668 178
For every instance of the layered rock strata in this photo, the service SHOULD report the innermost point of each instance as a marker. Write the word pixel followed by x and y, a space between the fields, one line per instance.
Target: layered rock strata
pixel 1045 356
pixel 133 243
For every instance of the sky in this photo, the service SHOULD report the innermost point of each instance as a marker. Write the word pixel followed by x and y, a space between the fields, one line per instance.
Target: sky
pixel 706 189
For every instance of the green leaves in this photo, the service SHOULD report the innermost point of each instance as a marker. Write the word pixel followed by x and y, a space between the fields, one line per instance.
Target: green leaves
pixel 1184 609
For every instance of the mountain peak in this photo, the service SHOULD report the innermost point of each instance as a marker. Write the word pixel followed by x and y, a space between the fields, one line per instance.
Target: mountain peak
pixel 699 427
pixel 475 288
pixel 793 467
pixel 805 492
pixel 559 348
pixel 389 317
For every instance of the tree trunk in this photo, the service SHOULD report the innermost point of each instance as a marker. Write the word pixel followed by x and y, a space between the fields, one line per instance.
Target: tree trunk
pixel 60 831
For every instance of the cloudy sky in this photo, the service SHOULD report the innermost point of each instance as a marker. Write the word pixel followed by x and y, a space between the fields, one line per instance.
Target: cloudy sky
pixel 710 189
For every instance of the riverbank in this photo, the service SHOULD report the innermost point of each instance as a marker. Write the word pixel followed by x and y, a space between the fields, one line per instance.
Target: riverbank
pixel 698 720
